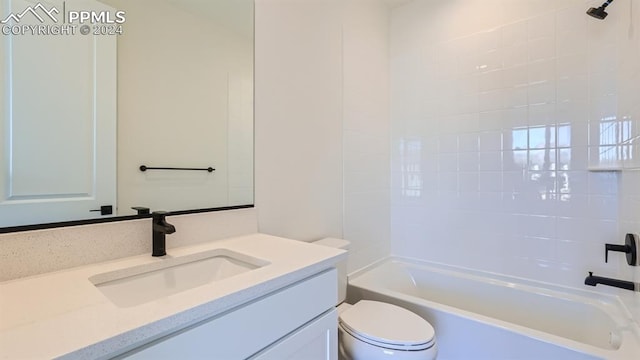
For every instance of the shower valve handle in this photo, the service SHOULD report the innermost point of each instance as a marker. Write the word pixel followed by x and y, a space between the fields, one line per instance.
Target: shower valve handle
pixel 629 248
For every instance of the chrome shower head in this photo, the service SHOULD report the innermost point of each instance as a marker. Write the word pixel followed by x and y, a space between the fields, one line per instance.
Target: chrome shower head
pixel 599 13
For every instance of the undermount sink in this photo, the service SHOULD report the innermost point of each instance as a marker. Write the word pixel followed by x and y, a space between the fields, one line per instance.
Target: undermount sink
pixel 140 284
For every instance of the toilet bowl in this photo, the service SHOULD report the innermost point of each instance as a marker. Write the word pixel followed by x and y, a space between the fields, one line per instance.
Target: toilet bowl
pixel 372 330
pixel 377 330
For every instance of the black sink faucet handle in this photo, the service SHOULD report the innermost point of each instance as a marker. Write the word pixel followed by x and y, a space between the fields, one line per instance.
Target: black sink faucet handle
pixel 141 210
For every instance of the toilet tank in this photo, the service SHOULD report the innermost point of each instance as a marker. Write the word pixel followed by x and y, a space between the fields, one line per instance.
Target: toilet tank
pixel 341 266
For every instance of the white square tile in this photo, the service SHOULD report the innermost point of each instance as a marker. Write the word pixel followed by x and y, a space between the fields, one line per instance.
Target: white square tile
pixel 490 181
pixel 447 143
pixel 491 201
pixel 579 158
pixel 516 118
pixel 462 85
pixel 515 55
pixel 516 98
pixel 603 59
pixel 543 48
pixel 515 160
pixel 467 122
pixel 542 115
pixel 577 252
pixel 490 120
pixel 602 84
pixel 572 42
pixel 491 100
pixel 536 226
pixel 512 182
pixel 516 76
pixel 576 114
pixel 603 207
pixel 488 40
pixel 542 71
pixel 578 182
pixel 603 183
pixel 542 93
pixel 468 182
pixel 490 61
pixel 514 34
pixel 468 142
pixel 468 161
pixel 572 18
pixel 539 248
pixel 490 141
pixel 491 161
pixel 541 26
pixel 603 109
pixel 447 162
pixel 447 182
pixel 492 80
pixel 572 89
pixel 573 205
pixel 469 65
pixel 572 65
pixel 563 135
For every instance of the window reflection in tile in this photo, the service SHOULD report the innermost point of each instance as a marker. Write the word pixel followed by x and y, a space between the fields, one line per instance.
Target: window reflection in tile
pixel 410 155
pixel 613 141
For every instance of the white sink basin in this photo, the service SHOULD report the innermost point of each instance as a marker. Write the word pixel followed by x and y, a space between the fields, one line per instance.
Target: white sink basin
pixel 140 284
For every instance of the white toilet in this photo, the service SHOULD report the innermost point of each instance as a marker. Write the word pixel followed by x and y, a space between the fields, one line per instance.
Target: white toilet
pixel 372 330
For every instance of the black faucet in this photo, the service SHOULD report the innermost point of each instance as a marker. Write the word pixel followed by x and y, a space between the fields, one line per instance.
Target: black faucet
pixel 595 280
pixel 160 229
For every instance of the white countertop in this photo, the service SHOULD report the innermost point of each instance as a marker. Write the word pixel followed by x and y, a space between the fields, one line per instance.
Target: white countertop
pixel 62 314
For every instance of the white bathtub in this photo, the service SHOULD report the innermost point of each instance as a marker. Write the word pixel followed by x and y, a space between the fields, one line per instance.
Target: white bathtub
pixel 487 316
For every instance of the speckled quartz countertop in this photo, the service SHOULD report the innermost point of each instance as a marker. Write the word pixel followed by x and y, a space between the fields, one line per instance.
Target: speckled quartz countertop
pixel 62 314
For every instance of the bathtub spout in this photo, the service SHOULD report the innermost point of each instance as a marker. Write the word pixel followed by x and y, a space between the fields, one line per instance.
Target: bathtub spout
pixel 595 280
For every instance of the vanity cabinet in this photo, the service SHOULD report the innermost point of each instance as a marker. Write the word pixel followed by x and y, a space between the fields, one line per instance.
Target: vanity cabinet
pixel 317 340
pixel 298 321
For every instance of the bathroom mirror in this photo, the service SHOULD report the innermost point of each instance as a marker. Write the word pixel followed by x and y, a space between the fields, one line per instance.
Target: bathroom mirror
pixel 115 85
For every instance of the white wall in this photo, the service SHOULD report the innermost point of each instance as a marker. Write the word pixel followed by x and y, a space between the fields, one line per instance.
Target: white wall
pixel 366 129
pixel 498 110
pixel 298 118
pixel 322 154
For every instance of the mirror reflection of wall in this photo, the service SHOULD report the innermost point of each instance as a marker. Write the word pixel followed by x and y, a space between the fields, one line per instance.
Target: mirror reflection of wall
pixel 184 99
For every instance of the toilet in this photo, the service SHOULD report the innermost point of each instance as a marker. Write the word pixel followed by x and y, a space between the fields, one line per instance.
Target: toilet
pixel 372 330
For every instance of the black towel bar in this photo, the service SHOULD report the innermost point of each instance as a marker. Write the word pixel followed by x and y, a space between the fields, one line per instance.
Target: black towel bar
pixel 145 168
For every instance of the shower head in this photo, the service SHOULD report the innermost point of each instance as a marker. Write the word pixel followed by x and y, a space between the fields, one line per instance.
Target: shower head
pixel 599 13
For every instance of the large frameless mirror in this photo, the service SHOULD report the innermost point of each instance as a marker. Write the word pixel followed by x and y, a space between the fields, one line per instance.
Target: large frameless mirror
pixel 95 92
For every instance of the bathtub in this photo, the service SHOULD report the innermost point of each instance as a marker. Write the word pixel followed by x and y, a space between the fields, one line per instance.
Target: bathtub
pixel 480 315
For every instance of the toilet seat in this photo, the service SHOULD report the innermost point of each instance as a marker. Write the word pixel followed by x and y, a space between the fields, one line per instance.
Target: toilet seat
pixel 387 326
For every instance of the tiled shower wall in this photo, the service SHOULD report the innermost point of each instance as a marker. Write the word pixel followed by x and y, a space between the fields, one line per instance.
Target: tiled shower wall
pixel 500 109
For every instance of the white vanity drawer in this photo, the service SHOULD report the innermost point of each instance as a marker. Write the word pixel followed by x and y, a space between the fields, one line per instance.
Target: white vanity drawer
pixel 242 332
pixel 317 340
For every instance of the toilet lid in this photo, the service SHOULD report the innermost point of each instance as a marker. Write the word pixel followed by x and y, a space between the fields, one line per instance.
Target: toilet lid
pixel 387 325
